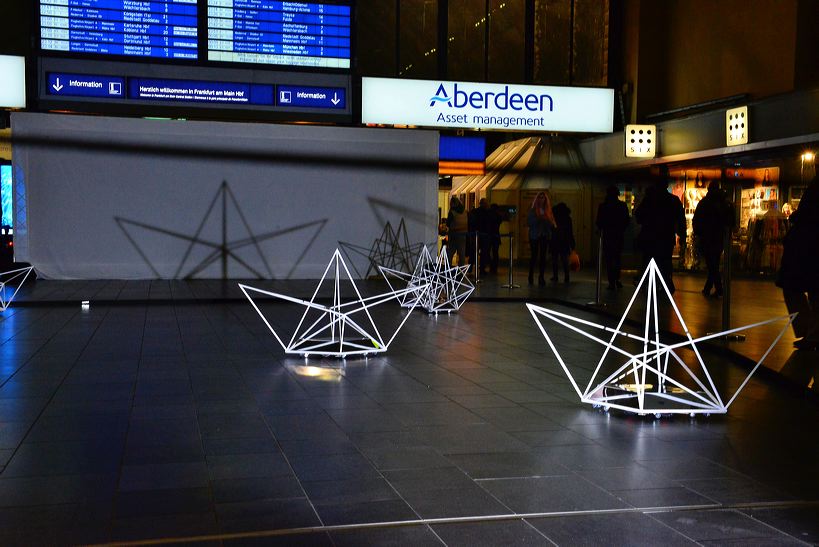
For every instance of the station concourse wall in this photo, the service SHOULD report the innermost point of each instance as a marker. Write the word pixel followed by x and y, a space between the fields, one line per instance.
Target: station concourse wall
pixel 114 198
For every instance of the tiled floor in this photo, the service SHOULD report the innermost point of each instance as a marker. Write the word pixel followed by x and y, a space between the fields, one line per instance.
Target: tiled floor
pixel 135 422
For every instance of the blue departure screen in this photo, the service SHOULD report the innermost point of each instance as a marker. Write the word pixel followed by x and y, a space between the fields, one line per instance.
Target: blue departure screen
pixel 5 196
pixel 308 34
pixel 157 29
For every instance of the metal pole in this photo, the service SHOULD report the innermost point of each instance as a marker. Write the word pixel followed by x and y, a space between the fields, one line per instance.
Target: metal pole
pixel 599 284
pixel 511 283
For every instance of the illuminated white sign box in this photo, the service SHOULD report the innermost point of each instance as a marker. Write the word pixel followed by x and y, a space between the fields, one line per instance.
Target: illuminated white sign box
pixel 435 103
pixel 12 82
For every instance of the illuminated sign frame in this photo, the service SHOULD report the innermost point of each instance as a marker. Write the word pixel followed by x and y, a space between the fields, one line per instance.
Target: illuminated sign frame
pixel 509 107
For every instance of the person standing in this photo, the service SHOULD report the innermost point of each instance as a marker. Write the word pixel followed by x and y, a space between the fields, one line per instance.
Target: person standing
pixel 495 220
pixel 456 222
pixel 713 219
pixel 483 224
pixel 799 274
pixel 541 222
pixel 661 218
pixel 612 221
pixel 562 240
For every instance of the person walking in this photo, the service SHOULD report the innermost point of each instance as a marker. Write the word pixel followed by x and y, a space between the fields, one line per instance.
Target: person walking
pixel 713 220
pixel 799 273
pixel 661 218
pixel 562 240
pixel 612 221
pixel 541 221
pixel 456 222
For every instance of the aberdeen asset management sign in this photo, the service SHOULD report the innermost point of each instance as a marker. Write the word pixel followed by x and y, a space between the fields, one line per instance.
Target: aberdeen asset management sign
pixel 468 105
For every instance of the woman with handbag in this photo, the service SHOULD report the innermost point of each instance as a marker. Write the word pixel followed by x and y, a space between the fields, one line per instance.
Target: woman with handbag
pixel 541 223
pixel 562 240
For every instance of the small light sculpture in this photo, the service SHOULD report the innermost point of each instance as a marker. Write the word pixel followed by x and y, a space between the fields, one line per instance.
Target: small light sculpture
pixel 6 295
pixel 447 287
pixel 334 330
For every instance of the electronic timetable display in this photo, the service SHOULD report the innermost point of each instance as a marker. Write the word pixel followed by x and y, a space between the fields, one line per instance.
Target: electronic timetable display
pixel 304 34
pixel 164 29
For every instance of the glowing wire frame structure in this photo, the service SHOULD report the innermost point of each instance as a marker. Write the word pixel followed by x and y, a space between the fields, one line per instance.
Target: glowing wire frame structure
pixel 448 287
pixel 8 277
pixel 334 332
pixel 670 395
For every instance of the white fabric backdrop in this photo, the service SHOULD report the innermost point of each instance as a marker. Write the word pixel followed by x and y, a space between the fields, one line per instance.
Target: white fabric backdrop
pixel 148 203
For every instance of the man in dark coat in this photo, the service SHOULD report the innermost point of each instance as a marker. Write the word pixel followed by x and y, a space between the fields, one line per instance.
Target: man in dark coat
pixel 713 219
pixel 612 221
pixel 562 240
pixel 799 274
pixel 662 218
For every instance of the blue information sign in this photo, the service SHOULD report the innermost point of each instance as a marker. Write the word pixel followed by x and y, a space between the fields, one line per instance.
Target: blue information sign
pixel 313 34
pixel 142 28
pixel 311 97
pixel 85 85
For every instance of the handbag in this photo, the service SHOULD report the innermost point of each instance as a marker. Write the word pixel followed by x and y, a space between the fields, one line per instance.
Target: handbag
pixel 574 261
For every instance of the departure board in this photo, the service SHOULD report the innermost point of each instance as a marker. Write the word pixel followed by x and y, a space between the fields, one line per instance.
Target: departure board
pixel 164 29
pixel 307 34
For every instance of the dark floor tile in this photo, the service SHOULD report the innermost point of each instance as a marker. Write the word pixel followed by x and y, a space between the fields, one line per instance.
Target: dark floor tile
pixel 504 532
pixel 716 525
pixel 397 536
pixel 365 512
pixel 548 494
pixel 176 451
pixel 635 477
pixel 230 426
pixel 12 434
pixel 146 503
pixel 256 488
pixel 413 457
pixel 625 529
pixel 735 490
pixel 332 467
pixel 507 465
pixel 349 491
pixel 457 502
pixel 77 428
pixel 251 445
pixel 408 481
pixel 266 515
pixel 319 539
pixel 243 466
pixel 676 496
pixel 690 468
pixel 163 527
pixel 26 491
pixel 800 522
pixel 66 458
pixel 163 476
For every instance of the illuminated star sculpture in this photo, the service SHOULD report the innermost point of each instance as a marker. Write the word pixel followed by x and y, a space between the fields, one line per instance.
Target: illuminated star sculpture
pixel 678 388
pixel 6 294
pixel 391 249
pixel 447 287
pixel 337 330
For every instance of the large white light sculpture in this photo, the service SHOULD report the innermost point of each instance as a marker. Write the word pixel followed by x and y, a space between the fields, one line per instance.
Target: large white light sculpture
pixel 340 329
pixel 447 287
pixel 6 294
pixel 624 385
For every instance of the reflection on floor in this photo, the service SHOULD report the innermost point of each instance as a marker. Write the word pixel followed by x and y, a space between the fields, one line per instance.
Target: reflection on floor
pixel 135 422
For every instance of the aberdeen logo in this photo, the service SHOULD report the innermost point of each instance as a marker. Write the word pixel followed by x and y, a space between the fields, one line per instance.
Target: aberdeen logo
pixel 440 97
pixel 500 98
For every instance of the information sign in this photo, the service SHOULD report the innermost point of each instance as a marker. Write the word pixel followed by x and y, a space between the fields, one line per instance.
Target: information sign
pixel 311 97
pixel 309 34
pixel 155 29
pixel 84 85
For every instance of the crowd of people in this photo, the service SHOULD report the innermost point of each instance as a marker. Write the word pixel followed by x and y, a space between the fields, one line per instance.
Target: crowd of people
pixel 662 222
